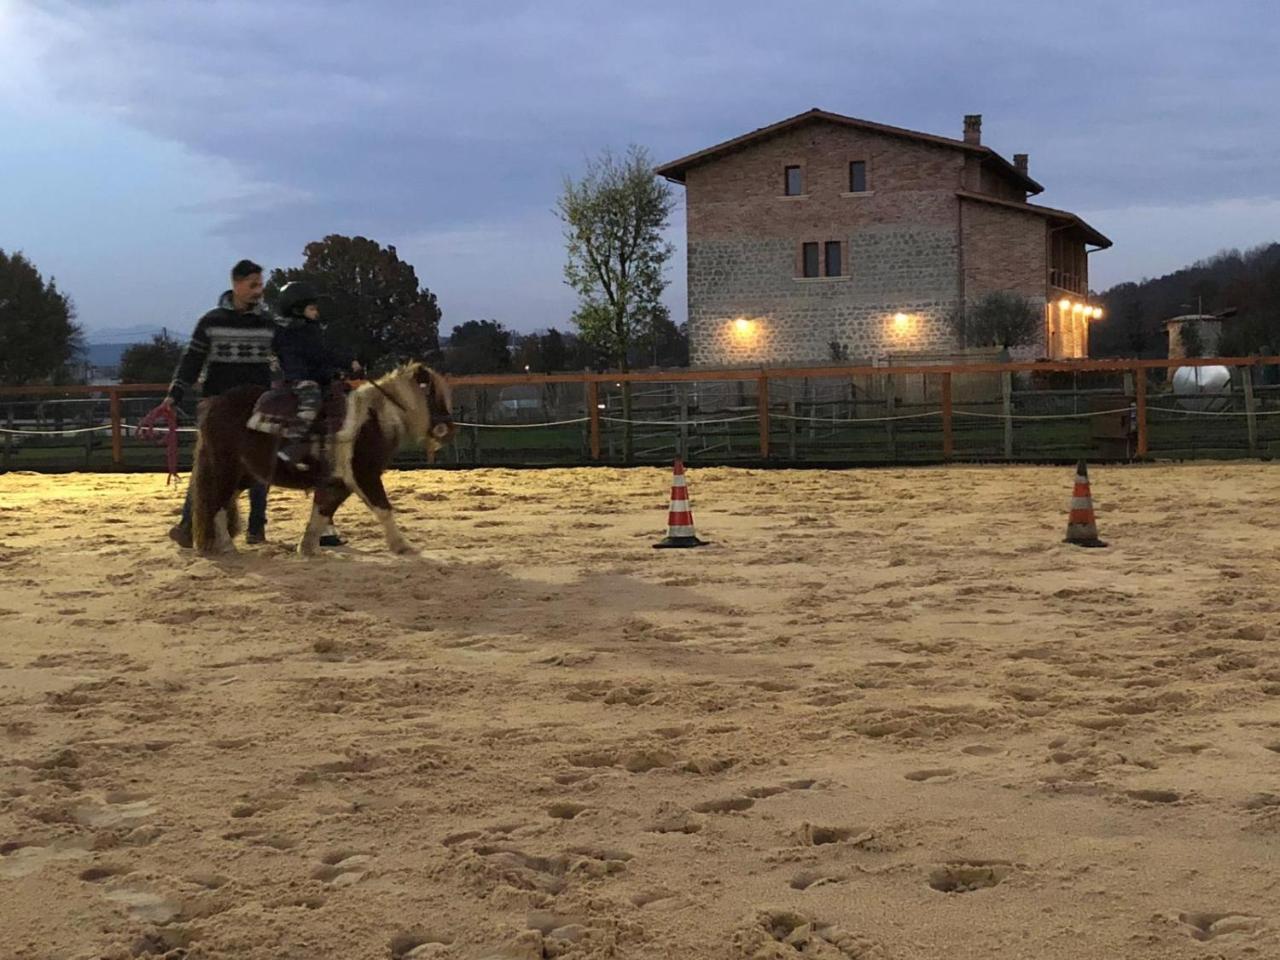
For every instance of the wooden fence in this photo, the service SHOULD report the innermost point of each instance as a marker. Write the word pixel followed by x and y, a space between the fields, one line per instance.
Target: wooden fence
pixel 942 376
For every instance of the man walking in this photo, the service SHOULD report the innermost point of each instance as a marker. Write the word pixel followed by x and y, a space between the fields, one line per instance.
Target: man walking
pixel 230 347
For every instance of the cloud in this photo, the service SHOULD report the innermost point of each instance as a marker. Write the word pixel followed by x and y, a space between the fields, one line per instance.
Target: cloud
pixel 443 120
pixel 443 112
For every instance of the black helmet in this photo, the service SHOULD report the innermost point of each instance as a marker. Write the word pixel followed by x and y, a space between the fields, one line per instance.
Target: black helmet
pixel 296 297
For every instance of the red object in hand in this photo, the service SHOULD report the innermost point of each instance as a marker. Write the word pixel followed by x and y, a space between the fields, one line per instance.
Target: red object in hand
pixel 147 431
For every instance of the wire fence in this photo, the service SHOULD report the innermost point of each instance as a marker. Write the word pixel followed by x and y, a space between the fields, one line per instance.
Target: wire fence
pixel 828 415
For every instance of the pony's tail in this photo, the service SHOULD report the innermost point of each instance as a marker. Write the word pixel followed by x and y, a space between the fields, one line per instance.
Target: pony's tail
pixel 203 497
pixel 232 509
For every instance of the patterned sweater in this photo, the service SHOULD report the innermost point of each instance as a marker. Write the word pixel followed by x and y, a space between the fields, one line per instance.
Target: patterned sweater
pixel 228 349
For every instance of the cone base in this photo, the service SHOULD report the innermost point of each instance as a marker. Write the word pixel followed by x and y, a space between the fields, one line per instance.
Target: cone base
pixel 680 542
pixel 1095 542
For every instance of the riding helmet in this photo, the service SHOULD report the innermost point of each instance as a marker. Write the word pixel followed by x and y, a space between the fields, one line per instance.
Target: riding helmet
pixel 296 297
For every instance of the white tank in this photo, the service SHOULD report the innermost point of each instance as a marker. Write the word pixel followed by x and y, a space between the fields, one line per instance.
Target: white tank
pixel 1203 388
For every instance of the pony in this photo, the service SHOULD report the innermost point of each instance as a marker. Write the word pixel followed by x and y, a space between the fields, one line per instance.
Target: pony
pixel 413 402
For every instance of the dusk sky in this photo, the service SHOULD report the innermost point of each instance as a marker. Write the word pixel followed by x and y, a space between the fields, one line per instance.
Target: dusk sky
pixel 145 145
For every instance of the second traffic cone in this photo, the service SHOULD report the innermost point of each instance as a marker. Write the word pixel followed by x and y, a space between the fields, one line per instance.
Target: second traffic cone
pixel 680 517
pixel 1082 526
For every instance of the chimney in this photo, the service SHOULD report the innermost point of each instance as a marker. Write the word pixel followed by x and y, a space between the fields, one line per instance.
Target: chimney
pixel 973 128
pixel 1020 163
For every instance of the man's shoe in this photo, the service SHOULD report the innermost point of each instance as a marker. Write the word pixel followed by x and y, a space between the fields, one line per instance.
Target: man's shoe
pixel 255 536
pixel 181 536
pixel 331 540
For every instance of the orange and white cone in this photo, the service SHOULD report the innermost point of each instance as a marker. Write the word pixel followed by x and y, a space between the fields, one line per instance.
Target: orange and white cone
pixel 680 516
pixel 1082 527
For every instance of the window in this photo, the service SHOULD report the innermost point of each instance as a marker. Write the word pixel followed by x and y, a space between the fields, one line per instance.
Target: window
pixel 794 182
pixel 835 262
pixel 811 260
pixel 858 176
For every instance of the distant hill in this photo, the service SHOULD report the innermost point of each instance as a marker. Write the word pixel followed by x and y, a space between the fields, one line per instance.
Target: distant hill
pixel 139 333
pixel 106 354
pixel 1249 283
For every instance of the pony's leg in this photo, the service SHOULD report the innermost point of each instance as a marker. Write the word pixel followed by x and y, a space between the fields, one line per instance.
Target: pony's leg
pixel 309 545
pixel 324 504
pixel 395 539
pixel 222 542
pixel 375 495
pixel 215 512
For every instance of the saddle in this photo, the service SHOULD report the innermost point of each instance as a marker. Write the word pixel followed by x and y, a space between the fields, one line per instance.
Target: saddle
pixel 277 411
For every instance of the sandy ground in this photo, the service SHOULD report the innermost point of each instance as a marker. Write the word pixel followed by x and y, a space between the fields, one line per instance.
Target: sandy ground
pixel 888 715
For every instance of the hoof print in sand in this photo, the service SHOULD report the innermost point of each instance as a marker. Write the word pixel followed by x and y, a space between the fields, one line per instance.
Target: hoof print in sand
pixel 965 876
pixel 1208 926
pixel 781 934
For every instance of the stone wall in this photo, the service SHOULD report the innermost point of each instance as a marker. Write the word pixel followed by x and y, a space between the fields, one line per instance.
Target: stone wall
pixel 794 320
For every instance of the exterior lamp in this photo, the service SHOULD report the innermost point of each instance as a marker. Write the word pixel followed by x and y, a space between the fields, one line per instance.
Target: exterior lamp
pixel 901 322
pixel 1064 304
pixel 742 326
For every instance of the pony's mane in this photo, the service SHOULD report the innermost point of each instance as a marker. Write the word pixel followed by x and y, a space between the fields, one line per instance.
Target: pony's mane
pixel 405 370
pixel 373 397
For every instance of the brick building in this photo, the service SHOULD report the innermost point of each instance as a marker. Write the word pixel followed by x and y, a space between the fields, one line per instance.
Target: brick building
pixel 825 228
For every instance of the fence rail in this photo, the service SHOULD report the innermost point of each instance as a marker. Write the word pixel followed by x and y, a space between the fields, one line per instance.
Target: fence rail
pixel 831 412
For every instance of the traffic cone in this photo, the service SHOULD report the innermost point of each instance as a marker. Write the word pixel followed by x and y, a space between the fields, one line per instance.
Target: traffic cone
pixel 1082 528
pixel 680 517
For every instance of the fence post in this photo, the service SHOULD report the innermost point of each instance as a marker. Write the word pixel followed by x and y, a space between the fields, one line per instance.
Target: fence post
pixel 791 429
pixel 593 414
pixel 8 440
pixel 682 395
pixel 762 406
pixel 890 402
pixel 1140 397
pixel 1006 396
pixel 947 439
pixel 1250 410
pixel 117 445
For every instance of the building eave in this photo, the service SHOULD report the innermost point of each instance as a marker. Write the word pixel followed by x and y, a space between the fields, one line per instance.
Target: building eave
pixel 1063 217
pixel 676 170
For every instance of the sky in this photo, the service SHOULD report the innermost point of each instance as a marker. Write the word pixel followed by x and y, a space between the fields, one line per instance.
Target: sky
pixel 145 145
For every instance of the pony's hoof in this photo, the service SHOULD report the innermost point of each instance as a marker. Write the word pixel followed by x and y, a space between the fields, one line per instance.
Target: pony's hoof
pixel 308 549
pixel 403 549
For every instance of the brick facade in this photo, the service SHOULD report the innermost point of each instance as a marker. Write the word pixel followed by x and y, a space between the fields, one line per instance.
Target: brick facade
pixel 912 248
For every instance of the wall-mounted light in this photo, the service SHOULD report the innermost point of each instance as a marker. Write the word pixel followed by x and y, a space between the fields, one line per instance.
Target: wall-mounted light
pixel 1064 304
pixel 901 323
pixel 742 326
pixel 1097 313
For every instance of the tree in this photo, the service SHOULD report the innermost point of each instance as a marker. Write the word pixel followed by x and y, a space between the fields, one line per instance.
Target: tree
pixel 478 346
pixel 1136 334
pixel 373 304
pixel 614 221
pixel 1000 319
pixel 666 344
pixel 39 338
pixel 1247 282
pixel 554 352
pixel 1192 340
pixel 152 362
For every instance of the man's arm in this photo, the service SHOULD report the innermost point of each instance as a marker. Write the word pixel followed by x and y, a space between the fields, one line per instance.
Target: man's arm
pixel 190 364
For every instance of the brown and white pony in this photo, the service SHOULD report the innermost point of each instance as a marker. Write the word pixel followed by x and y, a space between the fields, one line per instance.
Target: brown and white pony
pixel 410 403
